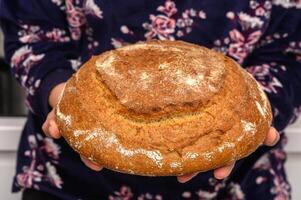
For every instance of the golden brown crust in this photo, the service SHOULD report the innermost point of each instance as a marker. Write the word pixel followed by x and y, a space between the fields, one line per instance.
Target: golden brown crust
pixel 217 119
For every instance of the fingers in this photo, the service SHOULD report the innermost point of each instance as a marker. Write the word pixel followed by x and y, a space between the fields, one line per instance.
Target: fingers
pixel 90 164
pixel 185 178
pixel 223 172
pixel 50 127
pixel 219 173
pixel 55 94
pixel 272 138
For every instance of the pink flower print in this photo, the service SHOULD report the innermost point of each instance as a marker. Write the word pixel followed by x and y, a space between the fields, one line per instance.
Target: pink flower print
pixel 75 64
pixel 192 12
pixel 32 141
pixel 202 14
pixel 241 46
pixel 36 172
pixel 75 15
pixel 248 21
pixel 254 37
pixel 260 180
pixel 230 15
pixel 253 4
pixel 30 28
pixel 52 149
pixel 57 2
pixel 259 70
pixel 31 89
pixel 161 26
pixel 29 38
pixel 288 4
pixel 57 35
pixel 40 167
pixel 281 188
pixel 24 56
pixel 124 193
pixel 169 8
pixel 226 40
pixel 206 194
pixel 236 192
pixel 124 29
pixel 185 14
pixel 158 197
pixel 92 8
pixel 181 23
pixel 20 55
pixel 186 195
pixel 267 5
pixel 263 75
pixel 279 154
pixel 117 43
pixel 89 35
pixel 167 25
pixel 76 19
pixel 148 196
pixel 53 177
pixel 180 33
pixel 237 51
pixel 32 34
pixel 187 20
pixel 29 176
pixel 263 162
pixel 236 36
pixel 260 11
pixel 32 60
pixel 75 33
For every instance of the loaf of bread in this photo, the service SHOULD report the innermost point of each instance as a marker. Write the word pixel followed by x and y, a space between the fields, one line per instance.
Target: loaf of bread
pixel 163 108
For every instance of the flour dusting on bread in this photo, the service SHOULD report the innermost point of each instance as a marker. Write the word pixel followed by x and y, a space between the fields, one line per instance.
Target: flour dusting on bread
pixel 163 108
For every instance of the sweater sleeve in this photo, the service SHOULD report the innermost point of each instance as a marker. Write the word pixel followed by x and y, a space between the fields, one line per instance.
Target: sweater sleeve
pixel 38 47
pixel 276 64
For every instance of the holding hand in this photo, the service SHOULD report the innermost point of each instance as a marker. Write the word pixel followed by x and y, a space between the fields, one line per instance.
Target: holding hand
pixel 50 128
pixel 220 173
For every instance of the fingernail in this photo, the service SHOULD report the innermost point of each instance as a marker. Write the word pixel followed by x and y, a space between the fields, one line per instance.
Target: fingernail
pixel 181 181
pixel 185 179
pixel 276 139
pixel 97 168
pixel 219 177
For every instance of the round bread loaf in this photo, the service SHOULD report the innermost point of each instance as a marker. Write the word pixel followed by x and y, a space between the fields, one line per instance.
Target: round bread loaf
pixel 163 108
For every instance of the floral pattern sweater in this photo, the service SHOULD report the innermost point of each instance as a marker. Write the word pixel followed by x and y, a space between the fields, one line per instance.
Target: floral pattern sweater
pixel 47 41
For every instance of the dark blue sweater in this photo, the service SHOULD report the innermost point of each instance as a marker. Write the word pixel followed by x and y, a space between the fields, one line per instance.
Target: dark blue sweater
pixel 47 40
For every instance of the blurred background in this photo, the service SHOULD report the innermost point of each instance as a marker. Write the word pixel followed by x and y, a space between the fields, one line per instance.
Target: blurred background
pixel 12 118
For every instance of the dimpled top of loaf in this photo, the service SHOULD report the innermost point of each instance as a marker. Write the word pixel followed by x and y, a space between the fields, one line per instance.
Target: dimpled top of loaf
pixel 163 108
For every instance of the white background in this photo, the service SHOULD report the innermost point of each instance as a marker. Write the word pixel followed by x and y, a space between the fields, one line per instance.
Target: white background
pixel 10 132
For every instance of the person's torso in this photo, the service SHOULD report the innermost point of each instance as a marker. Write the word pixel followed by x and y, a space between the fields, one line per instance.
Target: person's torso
pixel 232 27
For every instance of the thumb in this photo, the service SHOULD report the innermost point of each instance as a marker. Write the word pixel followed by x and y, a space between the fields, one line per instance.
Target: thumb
pixel 50 127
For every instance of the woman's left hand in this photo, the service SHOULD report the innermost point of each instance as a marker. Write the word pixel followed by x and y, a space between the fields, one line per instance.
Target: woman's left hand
pixel 223 172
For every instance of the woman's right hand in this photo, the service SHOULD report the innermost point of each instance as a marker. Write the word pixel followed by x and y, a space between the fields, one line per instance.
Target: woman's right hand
pixel 50 127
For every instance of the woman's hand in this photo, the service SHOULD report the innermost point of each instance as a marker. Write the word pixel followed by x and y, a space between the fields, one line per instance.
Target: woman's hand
pixel 221 173
pixel 50 127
